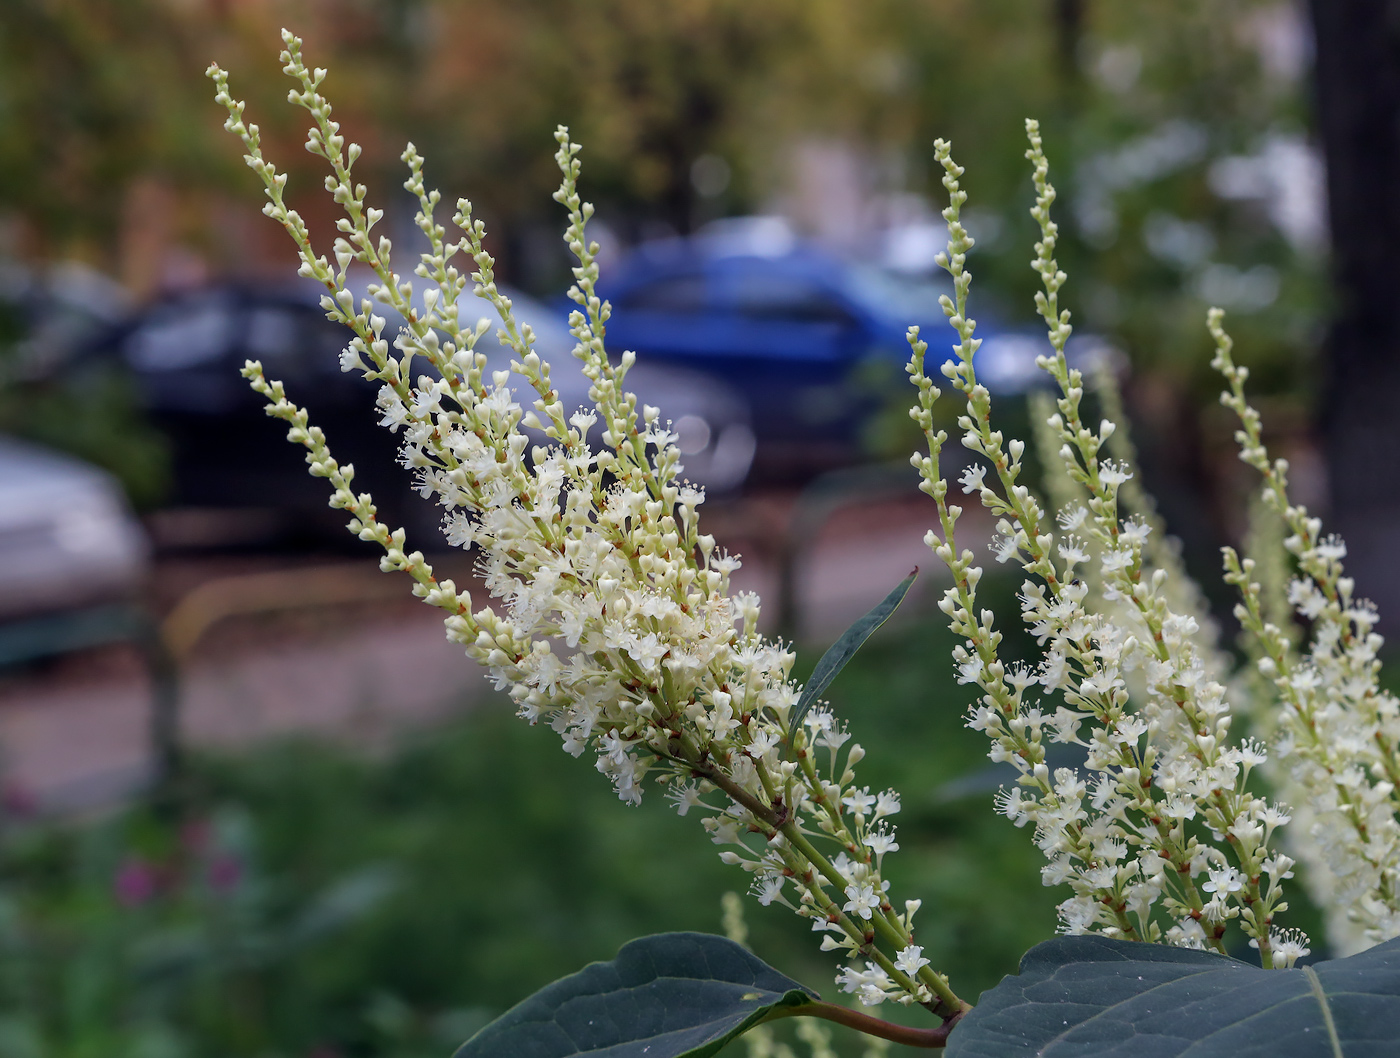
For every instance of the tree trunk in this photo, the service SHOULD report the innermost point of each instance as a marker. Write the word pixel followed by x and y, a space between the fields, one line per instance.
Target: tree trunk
pixel 1069 34
pixel 1358 110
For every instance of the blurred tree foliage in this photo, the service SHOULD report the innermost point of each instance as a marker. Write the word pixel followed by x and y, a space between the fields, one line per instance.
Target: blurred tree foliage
pixel 1143 104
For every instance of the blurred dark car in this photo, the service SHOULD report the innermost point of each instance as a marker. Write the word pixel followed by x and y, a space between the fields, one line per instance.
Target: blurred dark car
pixel 815 343
pixel 184 354
pixel 228 459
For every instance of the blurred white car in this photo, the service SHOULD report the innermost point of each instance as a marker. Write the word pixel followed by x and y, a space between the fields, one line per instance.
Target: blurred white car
pixel 68 540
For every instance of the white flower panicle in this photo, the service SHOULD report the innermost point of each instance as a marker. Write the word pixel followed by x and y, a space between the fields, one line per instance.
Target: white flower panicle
pixel 1340 731
pixel 1160 550
pixel 614 623
pixel 1158 836
pixel 613 620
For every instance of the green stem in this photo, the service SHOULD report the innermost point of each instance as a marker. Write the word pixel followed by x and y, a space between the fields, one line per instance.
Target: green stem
pixel 948 1002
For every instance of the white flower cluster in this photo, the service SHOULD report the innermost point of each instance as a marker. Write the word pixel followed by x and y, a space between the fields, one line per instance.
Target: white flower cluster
pixel 615 624
pixel 1160 815
pixel 1140 519
pixel 1339 741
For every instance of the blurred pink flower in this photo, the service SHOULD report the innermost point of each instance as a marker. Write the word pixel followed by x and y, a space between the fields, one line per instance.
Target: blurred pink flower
pixel 225 872
pixel 18 801
pixel 136 882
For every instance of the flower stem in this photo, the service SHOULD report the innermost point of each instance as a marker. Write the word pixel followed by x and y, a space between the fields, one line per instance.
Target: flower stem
pixel 739 795
pixel 947 1003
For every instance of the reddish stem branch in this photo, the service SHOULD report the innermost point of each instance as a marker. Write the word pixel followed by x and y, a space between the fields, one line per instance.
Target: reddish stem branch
pixel 887 1030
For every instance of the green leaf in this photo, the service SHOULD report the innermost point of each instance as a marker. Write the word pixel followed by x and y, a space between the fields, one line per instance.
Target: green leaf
pixel 1091 997
pixel 664 996
pixel 841 652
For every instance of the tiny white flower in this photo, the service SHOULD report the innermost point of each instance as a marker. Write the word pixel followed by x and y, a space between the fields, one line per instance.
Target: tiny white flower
pixel 859 801
pixel 1071 518
pixel 872 995
pixel 1005 548
pixel 886 804
pixel 1073 554
pixel 1187 933
pixel 1289 946
pixel 863 901
pixel 685 798
pixel 1331 548
pixel 911 959
pixel 972 478
pixel 881 842
pixel 769 888
pixel 1135 532
pixel 1223 880
pixel 1113 474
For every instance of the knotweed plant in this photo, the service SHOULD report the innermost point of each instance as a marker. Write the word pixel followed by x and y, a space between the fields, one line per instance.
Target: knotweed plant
pixel 1119 831
pixel 612 621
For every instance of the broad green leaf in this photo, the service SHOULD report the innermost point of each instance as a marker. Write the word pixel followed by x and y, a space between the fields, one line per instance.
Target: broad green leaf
pixel 665 996
pixel 1091 997
pixel 841 652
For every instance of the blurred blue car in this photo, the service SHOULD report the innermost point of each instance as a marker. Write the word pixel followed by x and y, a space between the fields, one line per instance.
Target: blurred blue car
pixel 813 342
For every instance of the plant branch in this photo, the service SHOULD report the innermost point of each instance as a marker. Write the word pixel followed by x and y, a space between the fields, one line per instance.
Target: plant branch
pixel 886 1030
pixel 739 795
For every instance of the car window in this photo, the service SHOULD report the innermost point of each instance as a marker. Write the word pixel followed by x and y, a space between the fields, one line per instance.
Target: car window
pixel 787 299
pixel 186 336
pixel 684 294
